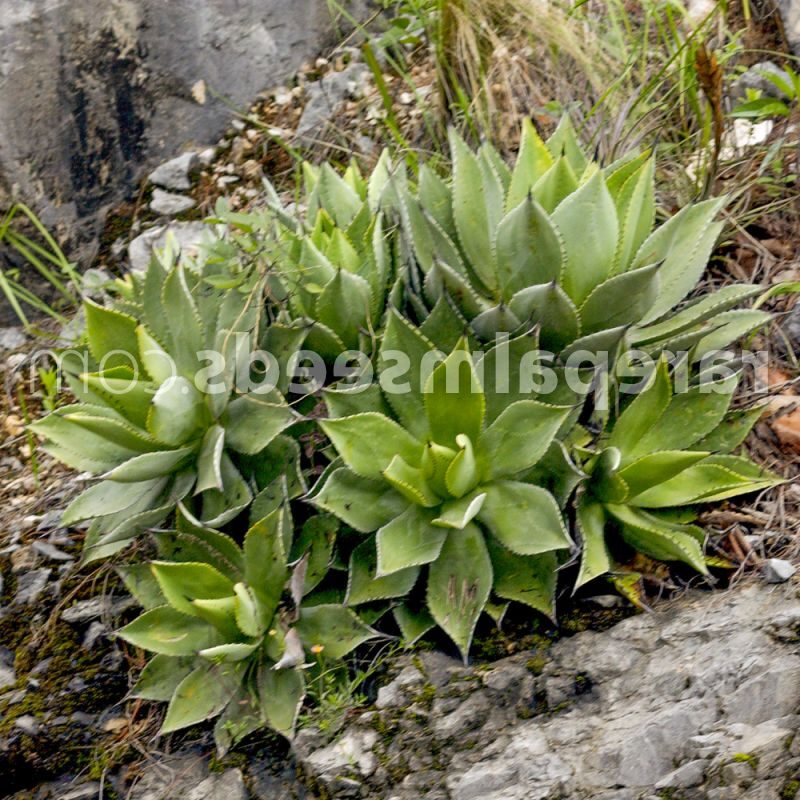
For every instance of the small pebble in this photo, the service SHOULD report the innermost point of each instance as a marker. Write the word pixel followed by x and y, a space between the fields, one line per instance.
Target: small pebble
pixel 776 570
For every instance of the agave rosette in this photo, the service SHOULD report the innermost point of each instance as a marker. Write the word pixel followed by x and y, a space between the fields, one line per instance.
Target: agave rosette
pixel 564 243
pixel 666 451
pixel 438 484
pixel 154 424
pixel 229 639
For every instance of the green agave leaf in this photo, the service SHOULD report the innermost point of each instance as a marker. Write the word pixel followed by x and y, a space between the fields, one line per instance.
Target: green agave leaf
pixel 454 399
pixel 183 582
pixel 149 466
pixel 229 653
pixel 252 422
pixel 157 362
pixel 316 540
pixel 142 585
pixel 130 398
pixel 436 199
pixel 193 543
pixel 731 431
pixel 111 336
pixel 209 460
pixel 695 313
pixel 558 183
pixel 362 584
pixel 361 503
pixel 161 677
pixel 444 326
pixel 221 614
pixel 533 161
pixel 401 337
pixel 525 579
pixel 618 172
pixel 113 429
pixel 587 222
pixel 169 632
pixel 606 483
pixel 368 442
pixel 444 279
pixel 621 300
pixel 647 534
pixel 283 342
pixel 280 697
pixel 636 210
pixel 249 619
pixel 595 560
pixel 201 695
pixel 240 718
pixel 335 628
pixel 183 320
pixel 347 401
pixel 495 320
pixel 549 306
pixel 684 244
pixel 462 474
pixel 219 508
pixel 337 197
pixel 177 413
pixel 459 584
pixel 524 518
pixel 344 307
pixel 413 623
pixel 689 417
pixel 650 470
pixel 265 569
pixel 529 249
pixel 471 210
pixel 733 326
pixel 643 412
pixel 704 483
pixel 564 141
pixel 409 540
pixel 459 513
pixel 109 497
pixel 410 482
pixel 519 437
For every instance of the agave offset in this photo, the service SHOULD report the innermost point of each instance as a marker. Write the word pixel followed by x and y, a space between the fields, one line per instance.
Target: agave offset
pixel 441 491
pixel 227 638
pixel 666 451
pixel 155 426
pixel 334 261
pixel 562 242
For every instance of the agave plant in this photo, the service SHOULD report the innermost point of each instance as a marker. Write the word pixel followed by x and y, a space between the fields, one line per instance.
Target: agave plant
pixel 666 451
pixel 226 640
pixel 335 261
pixel 152 423
pixel 443 493
pixel 561 242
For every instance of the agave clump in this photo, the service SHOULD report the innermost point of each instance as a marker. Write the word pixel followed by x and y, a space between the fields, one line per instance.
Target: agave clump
pixel 227 641
pixel 666 451
pixel 442 493
pixel 161 426
pixel 561 242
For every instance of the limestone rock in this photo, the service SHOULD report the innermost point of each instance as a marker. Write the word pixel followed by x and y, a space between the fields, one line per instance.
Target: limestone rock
pixel 776 570
pixel 176 173
pixel 189 236
pixel 170 204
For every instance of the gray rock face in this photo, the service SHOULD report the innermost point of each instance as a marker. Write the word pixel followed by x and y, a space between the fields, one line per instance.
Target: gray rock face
pixel 790 12
pixel 93 93
pixel 699 701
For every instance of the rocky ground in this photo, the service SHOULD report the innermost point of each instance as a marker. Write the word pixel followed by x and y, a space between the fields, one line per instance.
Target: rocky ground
pixel 699 701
